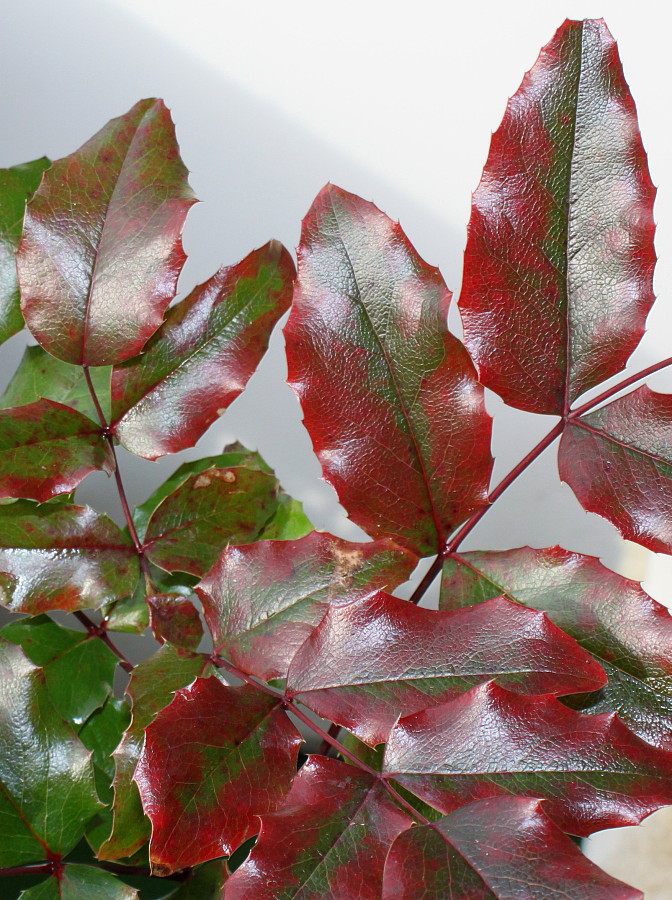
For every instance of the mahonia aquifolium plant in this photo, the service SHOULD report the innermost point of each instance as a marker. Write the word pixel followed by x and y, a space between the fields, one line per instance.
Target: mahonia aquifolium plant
pixel 462 746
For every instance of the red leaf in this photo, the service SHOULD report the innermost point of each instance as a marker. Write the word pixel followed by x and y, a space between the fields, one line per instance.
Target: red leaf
pixel 389 396
pixel 203 355
pixel 328 840
pixel 371 661
pixel 595 773
pixel 174 620
pixel 101 250
pixel 503 848
pixel 262 601
pixel 213 761
pixel 559 260
pixel 618 462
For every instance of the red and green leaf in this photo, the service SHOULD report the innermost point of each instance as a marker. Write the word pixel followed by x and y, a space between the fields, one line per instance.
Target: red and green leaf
pixel 101 250
pixel 389 396
pixel 213 761
pixel 175 620
pixel 559 260
pixel 376 659
pixel 80 882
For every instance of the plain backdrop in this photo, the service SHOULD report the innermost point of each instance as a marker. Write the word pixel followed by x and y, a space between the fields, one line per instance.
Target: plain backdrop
pixel 395 102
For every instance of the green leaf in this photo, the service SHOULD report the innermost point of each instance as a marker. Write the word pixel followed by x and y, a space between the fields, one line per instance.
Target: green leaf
pixel 130 613
pixel 103 730
pixel 81 883
pixel 16 186
pixel 204 883
pixel 288 522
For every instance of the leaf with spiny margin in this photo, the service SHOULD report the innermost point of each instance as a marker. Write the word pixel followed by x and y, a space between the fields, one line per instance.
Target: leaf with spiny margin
pixel 81 883
pixel 47 448
pixel 130 613
pixel 58 556
pixel 17 185
pixel 263 600
pixel 592 770
pixel 627 632
pixel 175 620
pixel 41 375
pixel 150 688
pixel 78 669
pixel 47 792
pixel 503 848
pixel 618 462
pixel 406 444
pixel 220 506
pixel 559 260
pixel 213 761
pixel 378 658
pixel 202 357
pixel 101 251
pixel 329 839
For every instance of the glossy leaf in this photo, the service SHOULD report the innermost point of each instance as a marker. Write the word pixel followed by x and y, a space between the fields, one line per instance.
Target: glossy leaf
pixel 150 688
pixel 213 761
pixel 174 620
pixel 503 848
pixel 78 669
pixel 130 613
pixel 101 250
pixel 595 773
pixel 559 260
pixel 618 462
pixel 47 449
pixel 81 883
pixel 42 375
pixel 58 556
pixel 262 601
pixel 288 522
pixel 370 661
pixel 203 355
pixel 328 840
pixel 627 632
pixel 190 528
pixel 204 882
pixel 389 396
pixel 46 780
pixel 17 185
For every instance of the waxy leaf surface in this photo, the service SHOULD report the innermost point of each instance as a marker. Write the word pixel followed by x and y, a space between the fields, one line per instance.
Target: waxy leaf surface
pixel 262 601
pixel 203 355
pixel 101 251
pixel 47 449
pixel 213 761
pixel 58 556
pixel 389 396
pixel 627 632
pixel 370 661
pixel 503 848
pixel 150 688
pixel 174 620
pixel 17 185
pixel 559 260
pixel 328 840
pixel 81 883
pixel 618 462
pixel 220 506
pixel 595 773
pixel 47 793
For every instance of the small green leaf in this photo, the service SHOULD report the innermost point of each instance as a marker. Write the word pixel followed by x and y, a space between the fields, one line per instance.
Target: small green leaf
pixel 288 522
pixel 81 883
pixel 204 883
pixel 175 620
pixel 130 613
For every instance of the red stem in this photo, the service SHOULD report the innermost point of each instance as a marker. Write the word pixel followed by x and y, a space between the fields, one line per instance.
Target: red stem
pixel 100 631
pixel 605 395
pixel 49 868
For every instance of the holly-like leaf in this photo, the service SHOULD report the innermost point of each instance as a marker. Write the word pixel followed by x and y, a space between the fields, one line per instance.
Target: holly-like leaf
pixel 406 444
pixel 329 839
pixel 559 261
pixel 174 620
pixel 594 772
pixel 150 688
pixel 370 661
pixel 40 374
pixel 78 669
pixel 627 632
pixel 189 529
pixel 47 793
pixel 213 761
pixel 47 449
pixel 203 355
pixel 101 250
pixel 288 522
pixel 130 613
pixel 81 883
pixel 262 601
pixel 618 462
pixel 58 556
pixel 17 185
pixel 503 848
